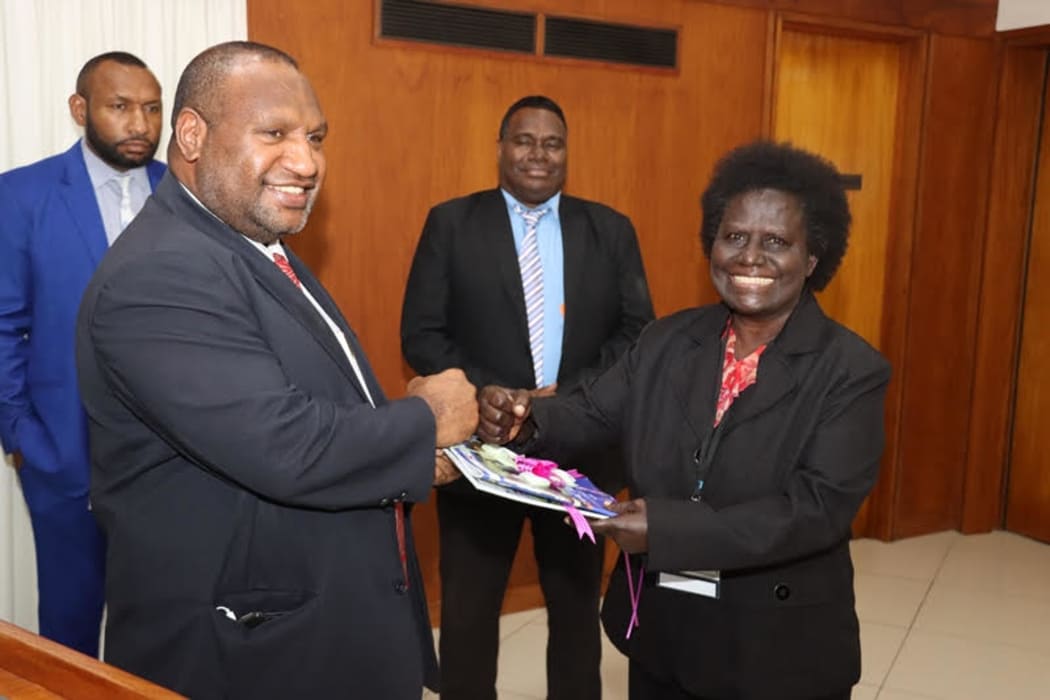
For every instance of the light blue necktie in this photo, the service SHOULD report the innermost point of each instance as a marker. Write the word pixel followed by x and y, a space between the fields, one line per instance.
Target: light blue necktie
pixel 532 285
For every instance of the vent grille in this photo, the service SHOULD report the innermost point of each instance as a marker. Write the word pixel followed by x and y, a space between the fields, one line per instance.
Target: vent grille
pixel 457 25
pixel 618 43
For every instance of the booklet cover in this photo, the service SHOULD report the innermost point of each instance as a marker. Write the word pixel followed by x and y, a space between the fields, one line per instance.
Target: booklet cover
pixel 504 473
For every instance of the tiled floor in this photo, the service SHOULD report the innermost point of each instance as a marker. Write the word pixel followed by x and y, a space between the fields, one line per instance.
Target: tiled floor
pixel 943 617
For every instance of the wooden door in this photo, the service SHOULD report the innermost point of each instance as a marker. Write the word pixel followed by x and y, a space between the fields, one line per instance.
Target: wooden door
pixel 852 94
pixel 837 96
pixel 1028 492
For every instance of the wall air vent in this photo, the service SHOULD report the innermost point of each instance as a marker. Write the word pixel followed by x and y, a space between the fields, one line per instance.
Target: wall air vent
pixel 617 43
pixel 458 25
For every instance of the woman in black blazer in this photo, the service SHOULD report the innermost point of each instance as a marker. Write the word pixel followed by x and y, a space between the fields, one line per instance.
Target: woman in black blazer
pixel 752 431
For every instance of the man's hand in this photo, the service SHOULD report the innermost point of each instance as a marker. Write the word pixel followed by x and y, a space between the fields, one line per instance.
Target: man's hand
pixel 501 412
pixel 629 528
pixel 452 400
pixel 444 470
pixel 14 459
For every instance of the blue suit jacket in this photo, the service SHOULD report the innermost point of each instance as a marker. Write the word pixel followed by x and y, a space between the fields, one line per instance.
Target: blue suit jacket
pixel 51 241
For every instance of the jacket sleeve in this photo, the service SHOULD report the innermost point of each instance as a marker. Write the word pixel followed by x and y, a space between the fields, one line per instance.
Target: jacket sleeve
pixel 636 306
pixel 426 335
pixel 15 311
pixel 177 343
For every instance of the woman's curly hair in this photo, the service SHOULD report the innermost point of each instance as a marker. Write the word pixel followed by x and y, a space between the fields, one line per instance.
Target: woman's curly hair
pixel 813 180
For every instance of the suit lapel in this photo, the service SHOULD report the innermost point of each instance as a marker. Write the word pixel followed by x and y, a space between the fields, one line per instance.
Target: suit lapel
pixel 696 374
pixel 313 285
pixel 498 237
pixel 78 196
pixel 573 221
pixel 268 276
pixel 776 374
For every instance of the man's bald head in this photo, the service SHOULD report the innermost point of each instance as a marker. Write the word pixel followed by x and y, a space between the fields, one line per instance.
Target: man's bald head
pixel 200 87
pixel 247 139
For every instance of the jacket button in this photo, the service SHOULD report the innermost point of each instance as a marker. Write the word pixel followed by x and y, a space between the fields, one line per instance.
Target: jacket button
pixel 696 456
pixel 782 591
pixel 401 587
pixel 403 496
pixel 384 503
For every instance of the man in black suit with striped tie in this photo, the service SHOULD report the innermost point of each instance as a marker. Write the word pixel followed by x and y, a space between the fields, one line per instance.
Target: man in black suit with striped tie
pixel 559 294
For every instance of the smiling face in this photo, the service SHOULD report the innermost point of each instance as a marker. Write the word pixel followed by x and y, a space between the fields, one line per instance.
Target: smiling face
pixel 759 258
pixel 259 162
pixel 120 112
pixel 532 156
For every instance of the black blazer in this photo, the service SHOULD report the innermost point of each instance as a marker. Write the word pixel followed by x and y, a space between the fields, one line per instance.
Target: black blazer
pixel 798 453
pixel 237 463
pixel 464 305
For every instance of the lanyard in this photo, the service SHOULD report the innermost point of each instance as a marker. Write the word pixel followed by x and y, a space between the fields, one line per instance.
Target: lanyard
pixel 704 458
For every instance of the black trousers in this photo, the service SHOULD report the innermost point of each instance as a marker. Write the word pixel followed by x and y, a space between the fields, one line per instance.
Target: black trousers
pixel 479 536
pixel 643 686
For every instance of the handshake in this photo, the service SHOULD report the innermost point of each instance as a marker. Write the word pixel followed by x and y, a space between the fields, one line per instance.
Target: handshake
pixel 455 403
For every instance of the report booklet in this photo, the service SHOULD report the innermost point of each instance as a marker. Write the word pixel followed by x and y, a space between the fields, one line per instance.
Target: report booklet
pixel 504 473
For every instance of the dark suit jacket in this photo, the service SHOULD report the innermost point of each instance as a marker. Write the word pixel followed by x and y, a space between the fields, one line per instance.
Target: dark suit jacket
pixel 464 305
pixel 51 240
pixel 237 463
pixel 799 452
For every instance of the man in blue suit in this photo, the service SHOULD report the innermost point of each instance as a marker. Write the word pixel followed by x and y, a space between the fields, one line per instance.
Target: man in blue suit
pixel 59 217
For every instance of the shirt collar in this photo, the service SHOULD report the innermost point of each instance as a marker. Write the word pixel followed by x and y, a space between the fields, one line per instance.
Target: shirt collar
pixel 553 202
pixel 100 172
pixel 267 250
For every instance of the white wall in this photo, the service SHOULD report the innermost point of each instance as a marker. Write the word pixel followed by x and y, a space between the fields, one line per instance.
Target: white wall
pixel 1015 14
pixel 43 44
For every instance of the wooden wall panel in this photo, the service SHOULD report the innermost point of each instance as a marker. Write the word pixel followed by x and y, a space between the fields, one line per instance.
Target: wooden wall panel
pixel 1006 234
pixel 944 285
pixel 959 17
pixel 413 125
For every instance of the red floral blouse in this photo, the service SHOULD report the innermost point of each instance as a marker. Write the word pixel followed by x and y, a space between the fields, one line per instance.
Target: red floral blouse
pixel 737 375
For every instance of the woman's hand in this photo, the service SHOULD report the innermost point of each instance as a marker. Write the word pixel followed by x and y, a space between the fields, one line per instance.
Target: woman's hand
pixel 501 413
pixel 629 528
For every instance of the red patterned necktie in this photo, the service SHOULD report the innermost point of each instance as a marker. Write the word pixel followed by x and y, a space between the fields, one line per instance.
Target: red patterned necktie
pixel 286 268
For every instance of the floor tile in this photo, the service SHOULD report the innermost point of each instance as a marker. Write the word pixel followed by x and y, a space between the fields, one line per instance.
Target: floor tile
pixel 1001 562
pixel 522 661
pixel 987 616
pixel 888 600
pixel 953 668
pixel 864 692
pixel 879 645
pixel 886 694
pixel 915 557
pixel 614 672
pixel 512 622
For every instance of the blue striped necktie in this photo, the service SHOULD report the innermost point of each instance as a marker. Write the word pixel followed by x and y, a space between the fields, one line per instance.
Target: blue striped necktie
pixel 532 285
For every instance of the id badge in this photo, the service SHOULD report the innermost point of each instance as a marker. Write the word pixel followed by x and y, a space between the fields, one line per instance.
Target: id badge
pixel 705 583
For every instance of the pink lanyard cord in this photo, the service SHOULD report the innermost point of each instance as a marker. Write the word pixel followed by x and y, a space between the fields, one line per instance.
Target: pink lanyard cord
pixel 635 593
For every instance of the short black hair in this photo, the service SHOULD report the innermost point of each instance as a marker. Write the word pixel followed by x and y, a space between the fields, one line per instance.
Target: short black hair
pixel 533 102
pixel 122 57
pixel 201 80
pixel 813 180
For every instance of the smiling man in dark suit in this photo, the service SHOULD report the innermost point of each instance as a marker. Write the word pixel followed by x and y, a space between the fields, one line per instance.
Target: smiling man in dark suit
pixel 527 287
pixel 253 481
